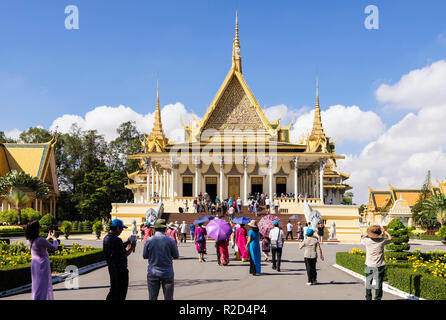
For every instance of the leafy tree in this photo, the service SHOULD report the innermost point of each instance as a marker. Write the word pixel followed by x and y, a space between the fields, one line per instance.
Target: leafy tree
pixel 348 198
pixel 35 135
pixel 436 206
pixel 424 218
pixel 127 143
pixel 99 189
pixel 19 188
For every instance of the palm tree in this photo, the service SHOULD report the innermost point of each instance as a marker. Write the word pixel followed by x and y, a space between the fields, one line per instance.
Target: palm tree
pixel 18 200
pixel 19 188
pixel 436 206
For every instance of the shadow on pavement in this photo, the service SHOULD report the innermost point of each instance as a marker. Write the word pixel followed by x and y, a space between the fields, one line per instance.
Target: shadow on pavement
pixel 337 282
pixel 80 288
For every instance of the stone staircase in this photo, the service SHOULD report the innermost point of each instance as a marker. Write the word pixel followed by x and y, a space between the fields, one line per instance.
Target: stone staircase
pixel 190 217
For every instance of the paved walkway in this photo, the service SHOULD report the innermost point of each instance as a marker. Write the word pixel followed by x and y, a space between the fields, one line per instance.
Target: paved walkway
pixel 204 281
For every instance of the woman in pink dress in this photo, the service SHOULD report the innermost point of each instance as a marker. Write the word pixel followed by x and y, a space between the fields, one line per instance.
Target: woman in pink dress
pixel 172 232
pixel 42 282
pixel 240 240
pixel 148 232
pixel 200 242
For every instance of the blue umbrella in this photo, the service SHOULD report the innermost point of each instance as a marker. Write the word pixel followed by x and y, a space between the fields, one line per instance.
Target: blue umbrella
pixel 203 219
pixel 241 220
pixel 294 217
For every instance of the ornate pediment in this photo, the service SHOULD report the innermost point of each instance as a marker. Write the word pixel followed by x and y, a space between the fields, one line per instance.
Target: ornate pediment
pixel 234 110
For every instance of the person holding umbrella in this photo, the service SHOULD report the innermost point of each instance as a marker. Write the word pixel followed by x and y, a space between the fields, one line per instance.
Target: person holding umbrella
pixel 221 231
pixel 253 247
pixel 266 247
pixel 240 240
pixel 200 241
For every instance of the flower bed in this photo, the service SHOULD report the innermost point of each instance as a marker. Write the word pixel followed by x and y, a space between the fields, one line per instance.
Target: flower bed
pixel 419 273
pixel 15 261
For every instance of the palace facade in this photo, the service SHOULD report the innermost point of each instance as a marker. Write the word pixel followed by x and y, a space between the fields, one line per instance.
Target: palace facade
pixel 38 160
pixel 385 205
pixel 234 151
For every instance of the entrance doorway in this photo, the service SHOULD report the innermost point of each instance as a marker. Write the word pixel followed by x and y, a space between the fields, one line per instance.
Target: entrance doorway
pixel 211 187
pixel 187 186
pixel 234 187
pixel 280 185
pixel 256 185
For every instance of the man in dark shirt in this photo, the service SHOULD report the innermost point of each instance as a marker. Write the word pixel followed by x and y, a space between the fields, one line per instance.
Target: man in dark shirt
pixel 116 254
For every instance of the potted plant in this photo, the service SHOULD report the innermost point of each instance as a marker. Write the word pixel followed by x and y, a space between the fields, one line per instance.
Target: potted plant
pixel 442 234
pixel 98 227
pixel 66 228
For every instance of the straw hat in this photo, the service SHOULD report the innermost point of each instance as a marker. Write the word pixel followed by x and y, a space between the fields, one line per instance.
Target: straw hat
pixel 253 224
pixel 159 224
pixel 374 232
pixel 171 225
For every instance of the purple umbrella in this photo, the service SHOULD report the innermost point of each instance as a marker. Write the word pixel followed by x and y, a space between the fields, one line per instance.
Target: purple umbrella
pixel 218 229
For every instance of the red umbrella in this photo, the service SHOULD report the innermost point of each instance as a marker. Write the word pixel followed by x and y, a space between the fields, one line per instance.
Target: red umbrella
pixel 266 224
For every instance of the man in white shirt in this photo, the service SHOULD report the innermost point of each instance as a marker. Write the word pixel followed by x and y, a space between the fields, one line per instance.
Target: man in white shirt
pixel 276 205
pixel 374 259
pixel 277 238
pixel 267 203
pixel 239 205
pixel 289 230
pixel 183 228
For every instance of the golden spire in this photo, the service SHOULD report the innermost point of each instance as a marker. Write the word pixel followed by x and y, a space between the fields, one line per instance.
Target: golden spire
pixel 318 130
pixel 236 56
pixel 157 130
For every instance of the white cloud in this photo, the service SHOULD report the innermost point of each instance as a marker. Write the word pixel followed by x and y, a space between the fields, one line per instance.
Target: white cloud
pixel 107 119
pixel 342 123
pixel 417 89
pixel 13 134
pixel 404 153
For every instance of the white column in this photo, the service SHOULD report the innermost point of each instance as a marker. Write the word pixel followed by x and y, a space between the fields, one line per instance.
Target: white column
pixel 147 163
pixel 296 165
pixel 173 166
pixel 270 176
pixel 197 163
pixel 152 189
pixel 323 163
pixel 245 180
pixel 221 178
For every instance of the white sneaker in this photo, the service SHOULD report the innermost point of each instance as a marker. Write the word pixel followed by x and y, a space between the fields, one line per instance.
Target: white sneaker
pixel 309 284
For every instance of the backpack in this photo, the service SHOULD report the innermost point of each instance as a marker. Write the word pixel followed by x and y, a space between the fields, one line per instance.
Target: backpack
pixel 200 237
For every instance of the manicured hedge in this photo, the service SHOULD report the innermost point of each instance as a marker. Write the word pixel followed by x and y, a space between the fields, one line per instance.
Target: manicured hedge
pixel 421 285
pixel 400 276
pixel 353 262
pixel 59 263
pixel 15 277
pixel 427 237
pixel 12 234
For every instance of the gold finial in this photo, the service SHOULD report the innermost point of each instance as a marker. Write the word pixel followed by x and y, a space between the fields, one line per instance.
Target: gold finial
pixel 236 56
pixel 157 130
pixel 318 130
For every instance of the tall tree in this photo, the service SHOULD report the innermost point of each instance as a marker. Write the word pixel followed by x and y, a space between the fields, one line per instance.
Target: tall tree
pixel 421 216
pixel 35 135
pixel 127 143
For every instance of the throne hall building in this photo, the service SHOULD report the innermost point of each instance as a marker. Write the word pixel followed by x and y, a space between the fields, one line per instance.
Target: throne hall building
pixel 233 151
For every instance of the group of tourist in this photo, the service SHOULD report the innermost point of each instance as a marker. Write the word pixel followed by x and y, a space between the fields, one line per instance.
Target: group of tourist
pixel 161 247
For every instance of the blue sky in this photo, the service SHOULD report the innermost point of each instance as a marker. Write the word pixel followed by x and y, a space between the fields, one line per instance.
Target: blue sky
pixel 123 47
